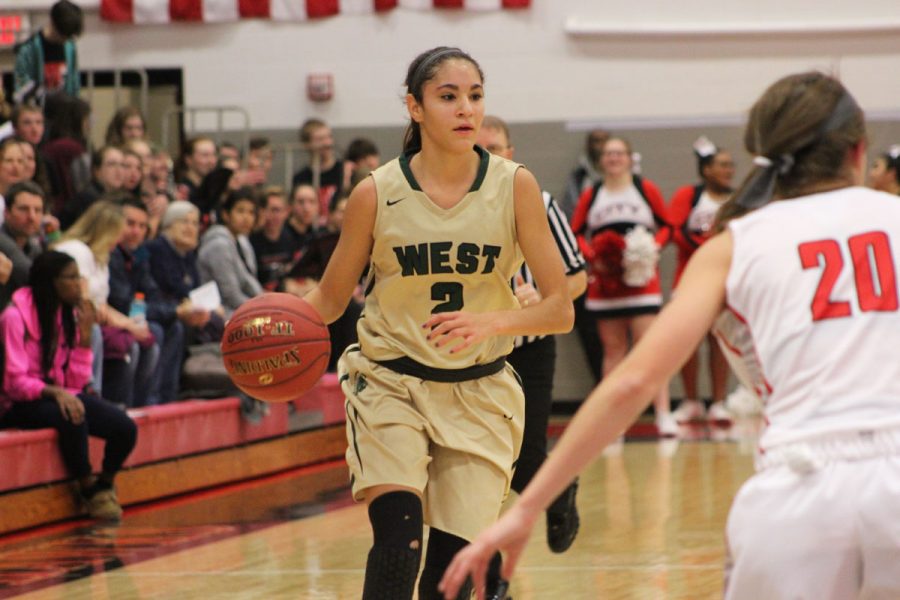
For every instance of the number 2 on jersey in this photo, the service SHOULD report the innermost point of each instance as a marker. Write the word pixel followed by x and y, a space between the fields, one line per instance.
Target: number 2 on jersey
pixel 449 294
pixel 876 289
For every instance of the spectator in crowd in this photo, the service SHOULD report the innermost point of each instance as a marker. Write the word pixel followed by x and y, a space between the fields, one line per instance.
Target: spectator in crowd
pixel 28 123
pixel 129 274
pixel 325 171
pixel 90 240
pixel 132 171
pixel 161 170
pixel 588 173
pixel 173 265
pixel 46 335
pixel 624 299
pixel 273 243
pixel 129 365
pixel 144 151
pixel 65 150
pixel 259 162
pixel 107 175
pixel 35 170
pixel 47 62
pixel 226 255
pixel 229 151
pixel 12 166
pixel 198 159
pixel 362 153
pixel 885 172
pixel 309 270
pixel 20 233
pixel 304 220
pixel 361 156
pixel 126 125
pixel 156 202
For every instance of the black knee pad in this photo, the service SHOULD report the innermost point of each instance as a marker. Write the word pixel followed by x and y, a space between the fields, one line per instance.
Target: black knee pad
pixel 442 547
pixel 393 561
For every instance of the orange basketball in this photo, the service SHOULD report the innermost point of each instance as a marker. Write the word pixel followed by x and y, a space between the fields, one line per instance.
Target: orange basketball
pixel 275 347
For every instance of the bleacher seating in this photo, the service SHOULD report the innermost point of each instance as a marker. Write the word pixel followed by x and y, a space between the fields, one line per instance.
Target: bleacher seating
pixel 169 432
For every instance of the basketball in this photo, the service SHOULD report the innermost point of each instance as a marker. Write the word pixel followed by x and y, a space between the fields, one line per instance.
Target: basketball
pixel 275 347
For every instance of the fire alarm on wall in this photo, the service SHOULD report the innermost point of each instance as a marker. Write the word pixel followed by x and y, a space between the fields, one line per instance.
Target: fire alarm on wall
pixel 319 86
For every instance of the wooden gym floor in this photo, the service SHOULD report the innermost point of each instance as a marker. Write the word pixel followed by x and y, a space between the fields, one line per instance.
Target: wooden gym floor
pixel 653 515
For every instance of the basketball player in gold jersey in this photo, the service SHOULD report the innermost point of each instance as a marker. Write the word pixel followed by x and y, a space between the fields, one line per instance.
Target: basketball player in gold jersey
pixel 434 413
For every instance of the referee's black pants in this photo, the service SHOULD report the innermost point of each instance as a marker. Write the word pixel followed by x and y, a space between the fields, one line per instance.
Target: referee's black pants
pixel 535 364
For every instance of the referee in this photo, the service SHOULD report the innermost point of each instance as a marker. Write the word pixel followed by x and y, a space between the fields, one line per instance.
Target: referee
pixel 534 356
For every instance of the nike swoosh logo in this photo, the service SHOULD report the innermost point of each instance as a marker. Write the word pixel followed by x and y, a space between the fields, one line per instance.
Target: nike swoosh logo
pixel 393 202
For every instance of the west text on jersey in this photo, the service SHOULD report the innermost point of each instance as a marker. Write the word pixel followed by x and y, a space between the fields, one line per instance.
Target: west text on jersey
pixel 435 257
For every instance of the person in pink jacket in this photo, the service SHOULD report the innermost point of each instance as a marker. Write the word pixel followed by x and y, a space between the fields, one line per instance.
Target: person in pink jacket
pixel 46 334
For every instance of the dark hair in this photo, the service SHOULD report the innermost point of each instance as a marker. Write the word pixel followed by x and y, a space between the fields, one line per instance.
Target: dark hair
pixel 258 143
pixel 23 187
pixel 704 161
pixel 359 149
pixel 97 156
pixel 421 70
pixel 589 150
pixel 245 193
pixel 891 160
pixel 67 18
pixel 65 117
pixel 803 125
pixel 114 135
pixel 123 198
pixel 187 149
pixel 42 279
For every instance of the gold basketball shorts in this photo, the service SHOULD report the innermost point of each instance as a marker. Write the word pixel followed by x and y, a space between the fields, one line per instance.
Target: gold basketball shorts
pixel 454 442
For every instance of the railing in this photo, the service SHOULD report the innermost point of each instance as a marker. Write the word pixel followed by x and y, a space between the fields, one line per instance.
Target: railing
pixel 192 111
pixel 144 92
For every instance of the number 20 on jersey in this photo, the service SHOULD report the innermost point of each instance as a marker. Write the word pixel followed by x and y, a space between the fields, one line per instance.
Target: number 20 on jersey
pixel 874 274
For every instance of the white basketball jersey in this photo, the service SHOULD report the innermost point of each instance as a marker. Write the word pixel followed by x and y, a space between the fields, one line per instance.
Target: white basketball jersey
pixel 813 315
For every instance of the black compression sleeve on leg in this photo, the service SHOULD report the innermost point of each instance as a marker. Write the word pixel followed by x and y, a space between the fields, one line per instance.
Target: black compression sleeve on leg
pixel 442 547
pixel 393 561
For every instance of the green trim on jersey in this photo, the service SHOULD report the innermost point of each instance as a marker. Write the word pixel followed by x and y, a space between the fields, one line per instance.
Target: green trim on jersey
pixel 483 157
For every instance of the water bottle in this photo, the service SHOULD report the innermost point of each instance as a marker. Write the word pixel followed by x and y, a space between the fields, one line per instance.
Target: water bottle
pixel 138 311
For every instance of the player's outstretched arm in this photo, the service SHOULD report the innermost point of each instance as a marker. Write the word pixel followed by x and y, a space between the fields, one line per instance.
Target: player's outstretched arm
pixel 331 295
pixel 607 412
pixel 553 313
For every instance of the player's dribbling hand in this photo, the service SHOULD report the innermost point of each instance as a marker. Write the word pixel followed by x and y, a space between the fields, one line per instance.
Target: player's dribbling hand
pixel 458 326
pixel 509 535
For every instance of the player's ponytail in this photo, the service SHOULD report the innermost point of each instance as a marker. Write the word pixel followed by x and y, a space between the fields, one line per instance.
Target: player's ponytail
pixel 421 70
pixel 800 131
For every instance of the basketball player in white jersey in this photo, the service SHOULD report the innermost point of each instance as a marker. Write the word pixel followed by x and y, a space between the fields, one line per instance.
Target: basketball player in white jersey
pixel 805 290
pixel 434 413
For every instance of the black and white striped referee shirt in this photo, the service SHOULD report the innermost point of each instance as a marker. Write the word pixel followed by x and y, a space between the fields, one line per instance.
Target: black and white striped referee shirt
pixel 568 249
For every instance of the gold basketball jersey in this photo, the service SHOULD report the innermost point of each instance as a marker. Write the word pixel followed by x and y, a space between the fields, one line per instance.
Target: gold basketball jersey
pixel 427 259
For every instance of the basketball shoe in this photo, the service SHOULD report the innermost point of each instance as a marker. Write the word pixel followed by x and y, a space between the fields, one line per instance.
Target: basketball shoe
pixel 563 520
